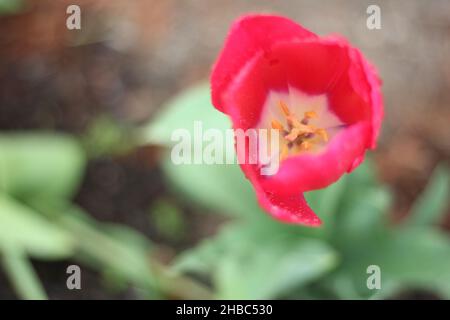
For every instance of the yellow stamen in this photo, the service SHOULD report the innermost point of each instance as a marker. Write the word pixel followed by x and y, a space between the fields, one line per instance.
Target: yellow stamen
pixel 277 125
pixel 323 134
pixel 295 132
pixel 284 152
pixel 284 108
pixel 299 135
pixel 305 146
pixel 297 124
pixel 310 114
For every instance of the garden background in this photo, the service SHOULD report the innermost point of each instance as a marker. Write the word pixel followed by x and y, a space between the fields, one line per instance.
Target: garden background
pixel 85 123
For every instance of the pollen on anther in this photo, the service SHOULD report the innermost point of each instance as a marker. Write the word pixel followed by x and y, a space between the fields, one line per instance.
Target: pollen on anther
pixel 310 114
pixel 323 134
pixel 284 108
pixel 277 125
pixel 298 135
pixel 295 132
pixel 305 145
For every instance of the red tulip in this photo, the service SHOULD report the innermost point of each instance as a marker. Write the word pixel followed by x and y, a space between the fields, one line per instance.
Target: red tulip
pixel 320 92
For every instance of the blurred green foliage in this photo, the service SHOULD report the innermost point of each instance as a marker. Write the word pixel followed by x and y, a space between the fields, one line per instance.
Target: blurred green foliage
pixel 251 257
pixel 256 257
pixel 168 219
pixel 106 136
pixel 28 162
pixel 39 174
pixel 10 6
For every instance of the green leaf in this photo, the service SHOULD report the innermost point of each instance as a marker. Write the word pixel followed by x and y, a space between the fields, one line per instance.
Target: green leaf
pixel 168 219
pixel 433 202
pixel 23 228
pixel 419 258
pixel 180 113
pixel 273 270
pixel 326 202
pixel 247 262
pixel 362 216
pixel 107 136
pixel 218 187
pixel 204 257
pixel 116 249
pixel 21 274
pixel 362 209
pixel 123 255
pixel 413 258
pixel 34 165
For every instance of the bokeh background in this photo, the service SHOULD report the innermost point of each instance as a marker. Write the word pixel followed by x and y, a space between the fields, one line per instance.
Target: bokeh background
pixel 94 91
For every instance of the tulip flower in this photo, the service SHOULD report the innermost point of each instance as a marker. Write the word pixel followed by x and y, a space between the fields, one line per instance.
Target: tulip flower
pixel 320 93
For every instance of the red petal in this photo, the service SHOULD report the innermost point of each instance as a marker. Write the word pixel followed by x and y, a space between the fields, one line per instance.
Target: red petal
pixel 289 208
pixel 250 35
pixel 314 66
